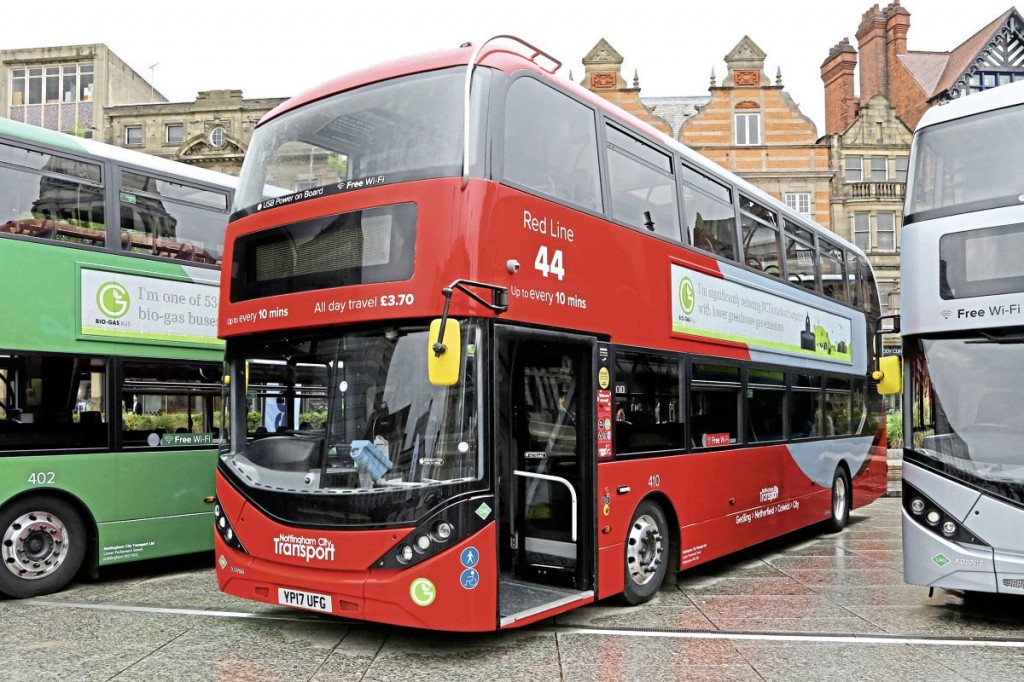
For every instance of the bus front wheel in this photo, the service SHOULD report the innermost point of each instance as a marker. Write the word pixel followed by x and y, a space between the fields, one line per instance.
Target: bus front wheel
pixel 646 553
pixel 42 546
pixel 841 498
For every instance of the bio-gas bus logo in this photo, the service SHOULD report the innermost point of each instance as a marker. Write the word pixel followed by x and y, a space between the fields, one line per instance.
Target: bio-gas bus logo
pixel 113 300
pixel 687 295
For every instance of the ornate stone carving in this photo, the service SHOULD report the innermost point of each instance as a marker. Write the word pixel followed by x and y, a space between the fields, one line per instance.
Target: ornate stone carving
pixel 602 81
pixel 746 78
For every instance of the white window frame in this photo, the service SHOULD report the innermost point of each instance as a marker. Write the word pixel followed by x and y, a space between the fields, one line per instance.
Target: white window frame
pixel 799 202
pixel 864 229
pixel 847 168
pixel 879 164
pixel 167 133
pixel 127 135
pixel 747 129
pixel 902 164
pixel 879 231
pixel 218 137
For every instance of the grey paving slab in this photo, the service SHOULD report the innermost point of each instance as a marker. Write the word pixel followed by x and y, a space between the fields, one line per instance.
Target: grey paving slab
pixel 724 585
pixel 866 576
pixel 842 562
pixel 941 620
pixel 795 662
pixel 717 607
pixel 621 654
pixel 879 595
pixel 679 671
pixel 852 625
pixel 979 664
pixel 651 616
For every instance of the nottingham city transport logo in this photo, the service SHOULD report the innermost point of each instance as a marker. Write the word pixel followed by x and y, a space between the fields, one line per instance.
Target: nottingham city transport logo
pixel 113 300
pixel 687 296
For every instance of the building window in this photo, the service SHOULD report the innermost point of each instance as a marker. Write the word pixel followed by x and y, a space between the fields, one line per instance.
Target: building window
pixel 854 169
pixel 901 168
pixel 133 135
pixel 984 80
pixel 884 291
pixel 61 83
pixel 879 173
pixel 217 137
pixel 174 133
pixel 862 230
pixel 886 229
pixel 799 202
pixel 748 129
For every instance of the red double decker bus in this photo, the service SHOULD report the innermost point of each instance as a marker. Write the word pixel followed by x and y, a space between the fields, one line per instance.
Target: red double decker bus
pixel 498 349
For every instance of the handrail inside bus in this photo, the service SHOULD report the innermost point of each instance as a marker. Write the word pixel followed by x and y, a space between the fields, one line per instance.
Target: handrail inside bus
pixel 556 479
pixel 537 52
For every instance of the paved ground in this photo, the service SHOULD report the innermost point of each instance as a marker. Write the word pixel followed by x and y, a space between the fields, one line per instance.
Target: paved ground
pixel 806 607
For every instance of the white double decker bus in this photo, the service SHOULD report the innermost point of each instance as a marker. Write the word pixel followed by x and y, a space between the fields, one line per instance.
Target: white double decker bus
pixel 963 337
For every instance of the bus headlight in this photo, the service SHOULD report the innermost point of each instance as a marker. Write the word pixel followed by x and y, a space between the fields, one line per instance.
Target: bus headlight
pixel 933 517
pixel 423 542
pixel 917 505
pixel 443 530
pixel 404 553
pixel 948 529
pixel 226 532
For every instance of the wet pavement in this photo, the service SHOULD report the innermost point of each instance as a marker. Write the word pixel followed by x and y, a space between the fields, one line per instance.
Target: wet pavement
pixel 805 607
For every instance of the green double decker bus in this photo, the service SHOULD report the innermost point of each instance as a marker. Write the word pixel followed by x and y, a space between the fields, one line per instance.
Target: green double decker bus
pixel 110 367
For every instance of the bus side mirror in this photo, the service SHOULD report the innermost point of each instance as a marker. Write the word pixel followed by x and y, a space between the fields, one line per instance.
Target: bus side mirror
pixel 889 375
pixel 443 354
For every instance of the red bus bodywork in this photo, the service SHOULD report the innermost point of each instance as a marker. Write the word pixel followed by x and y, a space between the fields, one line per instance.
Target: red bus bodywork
pixel 619 279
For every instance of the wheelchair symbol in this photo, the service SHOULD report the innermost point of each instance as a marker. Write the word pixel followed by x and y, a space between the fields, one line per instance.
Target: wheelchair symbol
pixel 470 578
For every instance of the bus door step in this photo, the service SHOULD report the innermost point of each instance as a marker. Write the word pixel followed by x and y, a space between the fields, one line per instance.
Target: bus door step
pixel 518 600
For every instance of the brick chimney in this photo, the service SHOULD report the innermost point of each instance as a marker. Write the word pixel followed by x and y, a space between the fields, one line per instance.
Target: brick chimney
pixel 837 75
pixel 897 24
pixel 871 43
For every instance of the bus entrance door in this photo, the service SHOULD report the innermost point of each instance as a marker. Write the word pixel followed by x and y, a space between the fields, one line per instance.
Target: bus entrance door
pixel 545 479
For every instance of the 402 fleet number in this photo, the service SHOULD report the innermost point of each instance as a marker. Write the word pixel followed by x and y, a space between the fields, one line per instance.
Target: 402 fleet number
pixel 41 477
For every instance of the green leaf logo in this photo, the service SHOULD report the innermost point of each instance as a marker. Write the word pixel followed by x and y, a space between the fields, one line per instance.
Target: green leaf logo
pixel 687 295
pixel 422 592
pixel 113 300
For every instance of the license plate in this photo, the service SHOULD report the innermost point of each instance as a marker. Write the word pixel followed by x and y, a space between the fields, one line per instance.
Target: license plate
pixel 304 600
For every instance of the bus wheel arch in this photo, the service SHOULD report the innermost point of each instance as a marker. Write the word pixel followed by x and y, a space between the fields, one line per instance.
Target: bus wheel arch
pixel 650 549
pixel 50 525
pixel 842 499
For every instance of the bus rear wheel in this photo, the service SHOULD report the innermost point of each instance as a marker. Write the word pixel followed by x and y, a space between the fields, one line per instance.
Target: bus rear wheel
pixel 42 546
pixel 646 553
pixel 842 494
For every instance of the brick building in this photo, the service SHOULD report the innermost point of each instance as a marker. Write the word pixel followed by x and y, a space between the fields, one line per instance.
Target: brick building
pixel 752 127
pixel 749 124
pixel 603 76
pixel 868 133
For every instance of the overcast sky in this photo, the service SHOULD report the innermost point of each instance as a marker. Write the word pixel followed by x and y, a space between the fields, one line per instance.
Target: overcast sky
pixel 280 49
